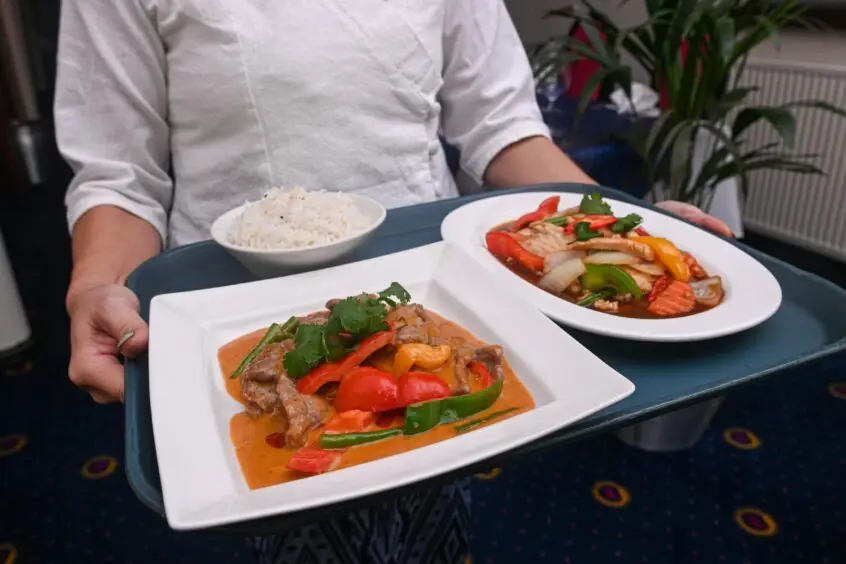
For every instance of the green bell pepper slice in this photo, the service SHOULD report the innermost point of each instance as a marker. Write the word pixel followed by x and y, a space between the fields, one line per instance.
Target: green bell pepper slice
pixel 275 334
pixel 345 440
pixel 422 417
pixel 600 277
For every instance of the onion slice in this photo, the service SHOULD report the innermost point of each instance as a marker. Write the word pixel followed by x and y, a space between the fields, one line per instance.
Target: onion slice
pixel 554 259
pixel 559 278
pixel 708 292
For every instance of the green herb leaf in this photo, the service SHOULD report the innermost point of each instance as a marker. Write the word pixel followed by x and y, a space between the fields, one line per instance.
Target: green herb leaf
pixel 584 232
pixel 309 352
pixel 593 204
pixel 601 295
pixel 559 221
pixel 351 320
pixel 627 223
pixel 395 294
pixel 360 316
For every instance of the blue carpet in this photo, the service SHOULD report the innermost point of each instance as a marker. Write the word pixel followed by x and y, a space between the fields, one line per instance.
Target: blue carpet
pixel 766 484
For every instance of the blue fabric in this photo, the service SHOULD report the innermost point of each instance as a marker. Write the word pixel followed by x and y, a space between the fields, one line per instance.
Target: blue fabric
pixel 591 144
pixel 428 527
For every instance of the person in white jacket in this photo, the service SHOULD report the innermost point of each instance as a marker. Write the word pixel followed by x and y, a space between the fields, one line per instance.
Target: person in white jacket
pixel 171 112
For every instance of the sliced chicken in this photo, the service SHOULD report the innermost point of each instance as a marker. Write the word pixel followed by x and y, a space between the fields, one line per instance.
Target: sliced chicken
pixel 643 281
pixel 651 268
pixel 544 238
pixel 615 244
pixel 609 306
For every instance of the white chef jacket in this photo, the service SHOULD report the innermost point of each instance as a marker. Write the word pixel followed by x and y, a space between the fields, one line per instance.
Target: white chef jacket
pixel 179 110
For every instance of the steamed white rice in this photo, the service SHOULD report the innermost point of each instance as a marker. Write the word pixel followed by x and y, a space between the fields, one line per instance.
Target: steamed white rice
pixel 297 218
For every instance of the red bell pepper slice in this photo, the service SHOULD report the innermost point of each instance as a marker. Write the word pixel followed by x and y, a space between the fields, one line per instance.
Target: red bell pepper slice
pixel 417 387
pixel 351 421
pixel 641 231
pixel 334 372
pixel 482 372
pixel 546 208
pixel 366 347
pixel 314 460
pixel 367 389
pixel 550 205
pixel 526 219
pixel 505 247
pixel 318 377
pixel 593 221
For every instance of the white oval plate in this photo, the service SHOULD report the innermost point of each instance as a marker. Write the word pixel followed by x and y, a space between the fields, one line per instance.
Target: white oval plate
pixel 752 293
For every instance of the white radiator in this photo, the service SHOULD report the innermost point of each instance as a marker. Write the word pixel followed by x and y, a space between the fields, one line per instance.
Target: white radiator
pixel 804 210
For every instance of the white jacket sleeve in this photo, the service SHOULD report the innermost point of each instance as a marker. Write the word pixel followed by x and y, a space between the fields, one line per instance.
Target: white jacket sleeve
pixel 488 96
pixel 111 110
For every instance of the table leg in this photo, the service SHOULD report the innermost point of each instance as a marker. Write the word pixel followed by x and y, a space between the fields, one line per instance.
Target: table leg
pixel 675 431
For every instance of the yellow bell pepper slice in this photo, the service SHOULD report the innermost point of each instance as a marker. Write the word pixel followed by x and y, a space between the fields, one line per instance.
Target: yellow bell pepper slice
pixel 669 255
pixel 417 354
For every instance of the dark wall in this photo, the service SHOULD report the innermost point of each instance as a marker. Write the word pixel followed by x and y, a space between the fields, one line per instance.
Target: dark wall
pixel 41 18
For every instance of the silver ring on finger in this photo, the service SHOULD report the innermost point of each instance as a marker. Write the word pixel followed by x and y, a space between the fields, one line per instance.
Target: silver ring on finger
pixel 123 340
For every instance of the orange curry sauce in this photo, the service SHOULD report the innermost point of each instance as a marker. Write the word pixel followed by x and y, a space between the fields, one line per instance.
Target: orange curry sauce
pixel 264 465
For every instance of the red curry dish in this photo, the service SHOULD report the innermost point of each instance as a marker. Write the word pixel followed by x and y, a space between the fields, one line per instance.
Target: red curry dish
pixel 589 256
pixel 367 377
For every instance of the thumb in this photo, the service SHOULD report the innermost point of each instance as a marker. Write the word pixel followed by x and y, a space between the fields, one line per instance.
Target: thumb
pixel 122 322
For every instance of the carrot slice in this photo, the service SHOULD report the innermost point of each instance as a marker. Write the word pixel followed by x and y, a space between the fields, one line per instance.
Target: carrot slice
pixel 677 299
pixel 351 421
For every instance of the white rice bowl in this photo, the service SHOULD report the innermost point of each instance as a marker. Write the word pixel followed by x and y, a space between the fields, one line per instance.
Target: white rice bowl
pixel 296 219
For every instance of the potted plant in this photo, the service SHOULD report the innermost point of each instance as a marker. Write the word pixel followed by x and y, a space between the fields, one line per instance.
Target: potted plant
pixel 694 52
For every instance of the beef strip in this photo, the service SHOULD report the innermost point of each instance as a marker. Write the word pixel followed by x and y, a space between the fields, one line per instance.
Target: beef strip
pixel 413 325
pixel 335 301
pixel 317 318
pixel 462 356
pixel 266 387
pixel 258 382
pixel 303 411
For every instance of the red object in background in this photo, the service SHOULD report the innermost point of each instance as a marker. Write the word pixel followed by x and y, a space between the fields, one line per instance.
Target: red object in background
pixel 583 69
pixel 664 100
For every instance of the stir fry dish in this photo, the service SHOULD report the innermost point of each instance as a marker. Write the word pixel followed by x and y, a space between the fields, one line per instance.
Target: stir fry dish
pixel 365 378
pixel 589 256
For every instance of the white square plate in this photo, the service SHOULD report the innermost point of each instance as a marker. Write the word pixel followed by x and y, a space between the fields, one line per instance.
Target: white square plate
pixel 202 483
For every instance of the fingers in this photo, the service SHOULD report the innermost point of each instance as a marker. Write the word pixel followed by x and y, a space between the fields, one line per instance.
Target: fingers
pixel 99 375
pixel 716 225
pixel 694 215
pixel 99 318
pixel 118 317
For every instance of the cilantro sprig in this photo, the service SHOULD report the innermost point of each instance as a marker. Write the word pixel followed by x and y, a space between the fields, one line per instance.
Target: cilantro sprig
pixel 352 319
pixel 593 204
pixel 626 223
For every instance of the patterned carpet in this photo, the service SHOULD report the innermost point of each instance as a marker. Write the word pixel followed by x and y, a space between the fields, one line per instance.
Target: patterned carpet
pixel 764 485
